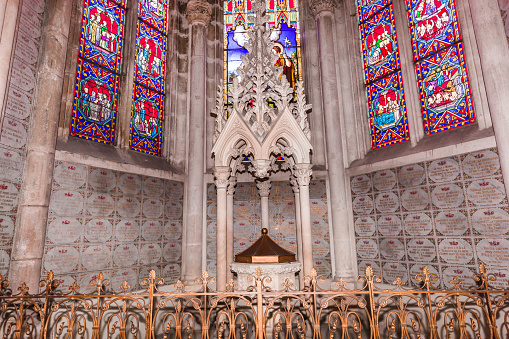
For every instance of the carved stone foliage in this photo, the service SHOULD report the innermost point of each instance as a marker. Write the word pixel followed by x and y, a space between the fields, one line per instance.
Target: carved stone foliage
pixel 319 6
pixel 199 11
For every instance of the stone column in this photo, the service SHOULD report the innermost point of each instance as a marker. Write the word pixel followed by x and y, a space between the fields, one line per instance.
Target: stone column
pixel 298 221
pixel 264 191
pixel 342 234
pixel 303 174
pixel 229 226
pixel 494 56
pixel 30 232
pixel 198 16
pixel 222 174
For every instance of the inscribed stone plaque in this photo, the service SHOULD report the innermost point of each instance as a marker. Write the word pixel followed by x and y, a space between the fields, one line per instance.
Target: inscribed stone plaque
pixel 127 230
pixel 363 204
pixel 212 229
pixel 4 262
pixel 98 230
pixel 61 259
pixel 152 230
pixel 175 190
pixel 145 271
pixel 100 204
pixel 96 257
pixel 418 224
pixel 239 246
pixel 481 164
pixel 451 223
pixel 242 227
pixel 411 175
pixel 153 208
pixel 22 75
pixel 367 248
pixel 172 251
pixel 421 250
pixel 501 275
pixel 287 209
pixel 173 230
pixel 455 251
pixel 36 6
pixel 387 202
pixel 389 225
pixel 284 190
pixel 102 180
pixel 491 222
pixel 318 209
pixel 64 282
pixel 322 267
pixel 212 194
pixel 150 254
pixel 316 189
pixel 211 249
pixel 291 245
pixel 66 202
pixel 171 271
pixel 462 273
pixel 486 192
pixel 30 23
pixel 417 269
pixel 27 48
pixel 384 180
pixel 11 165
pixel 126 255
pixel 320 248
pixel 70 175
pixel 392 271
pixel 64 230
pixel 173 210
pixel 447 196
pixel 365 226
pixel 6 230
pixel 14 133
pixel 153 187
pixel 242 209
pixel 8 196
pixel 243 191
pixel 493 252
pixel 361 184
pixel 289 227
pixel 392 249
pixel 128 207
pixel 129 183
pixel 18 104
pixel 414 199
pixel 444 170
pixel 119 276
pixel 362 265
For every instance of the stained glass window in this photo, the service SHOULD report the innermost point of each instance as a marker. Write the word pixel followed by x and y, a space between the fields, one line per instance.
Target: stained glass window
pixel 382 73
pixel 149 77
pixel 99 61
pixel 440 65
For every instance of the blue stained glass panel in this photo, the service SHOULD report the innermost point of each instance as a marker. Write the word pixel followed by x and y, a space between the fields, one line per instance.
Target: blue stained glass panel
pixel 154 12
pixel 380 45
pixel 369 7
pixel 150 57
pixel 387 111
pixel 445 92
pixel 433 25
pixel 147 121
pixel 95 103
pixel 102 33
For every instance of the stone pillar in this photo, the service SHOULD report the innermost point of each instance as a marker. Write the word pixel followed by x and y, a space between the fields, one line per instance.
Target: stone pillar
pixel 342 234
pixel 298 221
pixel 229 226
pixel 264 190
pixel 303 174
pixel 198 16
pixel 222 174
pixel 30 232
pixel 494 56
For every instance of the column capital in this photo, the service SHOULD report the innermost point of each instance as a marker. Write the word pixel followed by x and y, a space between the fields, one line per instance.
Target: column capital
pixel 231 185
pixel 263 188
pixel 319 6
pixel 303 174
pixel 198 11
pixel 221 173
pixel 295 185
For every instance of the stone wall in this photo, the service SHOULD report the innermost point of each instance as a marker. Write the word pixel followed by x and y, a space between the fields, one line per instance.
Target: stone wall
pixel 282 224
pixel 119 223
pixel 449 214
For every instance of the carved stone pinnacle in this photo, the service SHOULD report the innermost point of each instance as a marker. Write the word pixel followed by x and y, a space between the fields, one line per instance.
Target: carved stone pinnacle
pixel 319 6
pixel 199 11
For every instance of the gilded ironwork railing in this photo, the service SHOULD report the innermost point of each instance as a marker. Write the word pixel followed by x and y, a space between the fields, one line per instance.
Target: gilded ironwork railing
pixel 161 311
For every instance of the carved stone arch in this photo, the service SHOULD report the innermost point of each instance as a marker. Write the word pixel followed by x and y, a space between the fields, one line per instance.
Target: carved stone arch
pixel 230 147
pixel 296 142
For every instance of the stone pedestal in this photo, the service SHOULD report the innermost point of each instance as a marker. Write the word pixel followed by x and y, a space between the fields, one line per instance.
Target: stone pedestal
pixel 277 272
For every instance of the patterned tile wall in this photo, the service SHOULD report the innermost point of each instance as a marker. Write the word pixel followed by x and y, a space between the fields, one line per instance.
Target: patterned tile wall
pixel 282 225
pixel 119 223
pixel 449 215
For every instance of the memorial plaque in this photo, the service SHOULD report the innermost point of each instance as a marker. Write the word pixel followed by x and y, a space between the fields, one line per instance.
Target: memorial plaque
pixel 19 104
pixel 102 180
pixel 291 245
pixel 415 199
pixel 241 209
pixel 387 202
pixel 5 260
pixel 389 225
pixel 417 224
pixel 173 210
pixel 175 190
pixel 127 230
pixel 212 193
pixel 502 276
pixel 98 230
pixel 491 222
pixel 101 204
pixel 363 204
pixel 392 249
pixel 241 227
pixel 22 76
pixel 451 223
pixel 11 165
pixel 211 249
pixel 322 267
pixel 86 278
pixel 320 248
pixel 493 252
pixel 455 251
pixel 367 248
pixel 362 265
pixel 283 189
pixel 318 209
pixel 30 23
pixel 287 208
pixel 211 267
pixel 289 227
pixel 411 175
pixel 481 164
pixel 14 133
pixel 361 184
pixel 152 230
pixel 392 271
pixel 119 276
pixel 128 207
pixel 64 282
pixel 129 183
pixel 27 49
pixel 244 191
pixel 65 202
pixel 239 246
pixel 172 251
pixel 153 187
pixel 417 269
pixel 150 254
pixel 421 250
pixel 173 230
pixel 212 229
pixel 70 175
pixel 444 170
pixel 126 255
pixel 96 257
pixel 486 192
pixel 171 273
pixel 36 6
pixel 317 189
pixel 6 229
pixel 61 259
pixel 153 208
pixel 462 273
pixel 145 271
pixel 384 180
pixel 447 196
pixel 64 230
pixel 365 226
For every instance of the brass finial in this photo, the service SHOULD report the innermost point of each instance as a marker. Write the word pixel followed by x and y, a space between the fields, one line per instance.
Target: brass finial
pixel 264 231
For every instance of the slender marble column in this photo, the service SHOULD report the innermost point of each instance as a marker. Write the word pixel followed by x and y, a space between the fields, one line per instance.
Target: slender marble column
pixel 222 174
pixel 303 174
pixel 298 221
pixel 229 226
pixel 198 16
pixel 342 234
pixel 264 190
